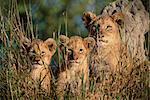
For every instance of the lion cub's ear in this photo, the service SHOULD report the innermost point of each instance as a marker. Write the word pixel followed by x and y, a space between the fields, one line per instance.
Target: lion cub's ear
pixel 24 40
pixel 89 43
pixel 51 44
pixel 118 18
pixel 87 18
pixel 26 43
pixel 64 40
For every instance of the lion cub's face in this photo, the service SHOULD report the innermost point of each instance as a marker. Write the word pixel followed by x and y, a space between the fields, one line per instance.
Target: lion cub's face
pixel 77 48
pixel 103 28
pixel 40 52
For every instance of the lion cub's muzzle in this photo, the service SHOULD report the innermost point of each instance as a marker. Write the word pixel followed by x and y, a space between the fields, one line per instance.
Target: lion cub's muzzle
pixel 37 60
pixel 72 57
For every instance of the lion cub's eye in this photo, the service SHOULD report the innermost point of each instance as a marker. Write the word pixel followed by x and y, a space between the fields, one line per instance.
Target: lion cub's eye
pixel 109 28
pixel 43 53
pixel 81 50
pixel 69 50
pixel 95 28
pixel 32 51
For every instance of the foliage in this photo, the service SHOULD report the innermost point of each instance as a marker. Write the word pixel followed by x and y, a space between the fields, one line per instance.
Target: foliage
pixel 48 15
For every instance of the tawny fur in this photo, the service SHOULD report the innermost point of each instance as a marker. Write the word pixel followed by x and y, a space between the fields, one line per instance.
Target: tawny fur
pixel 105 30
pixel 77 51
pixel 40 53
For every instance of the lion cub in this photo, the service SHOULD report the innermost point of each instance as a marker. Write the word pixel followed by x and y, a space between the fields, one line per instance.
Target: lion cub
pixel 77 51
pixel 105 30
pixel 40 53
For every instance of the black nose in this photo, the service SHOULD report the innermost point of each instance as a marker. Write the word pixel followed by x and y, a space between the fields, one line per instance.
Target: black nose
pixel 36 59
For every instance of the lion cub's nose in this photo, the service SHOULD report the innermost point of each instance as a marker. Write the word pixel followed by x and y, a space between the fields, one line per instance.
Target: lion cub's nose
pixel 73 56
pixel 37 59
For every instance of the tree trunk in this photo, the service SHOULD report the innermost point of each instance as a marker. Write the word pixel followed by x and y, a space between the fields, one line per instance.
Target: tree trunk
pixel 146 4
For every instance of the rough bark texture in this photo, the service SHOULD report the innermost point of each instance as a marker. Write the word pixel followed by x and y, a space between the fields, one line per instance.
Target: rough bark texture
pixel 146 4
pixel 136 24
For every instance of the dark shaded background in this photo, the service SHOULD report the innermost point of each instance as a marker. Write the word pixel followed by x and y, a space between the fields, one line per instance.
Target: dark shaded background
pixel 49 15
